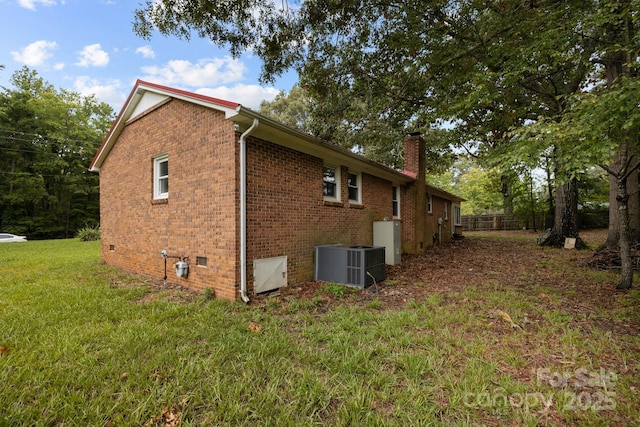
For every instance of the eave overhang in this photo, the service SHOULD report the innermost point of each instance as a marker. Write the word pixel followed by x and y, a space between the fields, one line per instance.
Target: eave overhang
pixel 145 96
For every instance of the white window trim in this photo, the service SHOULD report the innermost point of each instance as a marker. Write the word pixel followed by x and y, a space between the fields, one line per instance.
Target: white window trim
pixel 446 210
pixel 430 204
pixel 358 186
pixel 457 215
pixel 338 186
pixel 396 195
pixel 156 176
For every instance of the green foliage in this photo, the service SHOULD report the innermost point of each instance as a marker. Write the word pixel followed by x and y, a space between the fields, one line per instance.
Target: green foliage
pixel 89 234
pixel 480 187
pixel 594 187
pixel 208 294
pixel 374 69
pixel 290 108
pixel 337 290
pixel 47 140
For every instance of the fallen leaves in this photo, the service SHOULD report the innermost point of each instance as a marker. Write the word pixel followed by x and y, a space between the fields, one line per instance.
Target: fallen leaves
pixel 170 417
pixel 506 317
pixel 4 350
pixel 254 327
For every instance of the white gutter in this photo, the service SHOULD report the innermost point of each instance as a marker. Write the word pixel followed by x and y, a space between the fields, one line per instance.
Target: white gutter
pixel 243 211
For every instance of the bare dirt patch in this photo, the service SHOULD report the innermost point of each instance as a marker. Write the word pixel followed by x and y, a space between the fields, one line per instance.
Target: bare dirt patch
pixel 497 259
pixel 156 289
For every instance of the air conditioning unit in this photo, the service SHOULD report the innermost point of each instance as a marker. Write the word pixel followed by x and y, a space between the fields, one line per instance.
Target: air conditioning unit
pixel 351 265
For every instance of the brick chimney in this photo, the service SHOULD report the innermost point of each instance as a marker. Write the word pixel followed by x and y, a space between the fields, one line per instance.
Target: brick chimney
pixel 412 151
pixel 414 165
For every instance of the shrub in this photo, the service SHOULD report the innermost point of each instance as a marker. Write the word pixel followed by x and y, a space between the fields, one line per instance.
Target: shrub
pixel 89 234
pixel 337 290
pixel 208 294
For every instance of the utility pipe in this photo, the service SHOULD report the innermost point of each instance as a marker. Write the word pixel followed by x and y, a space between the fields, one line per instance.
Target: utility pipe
pixel 243 211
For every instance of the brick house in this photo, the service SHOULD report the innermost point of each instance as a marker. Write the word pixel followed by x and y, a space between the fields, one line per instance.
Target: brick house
pixel 246 191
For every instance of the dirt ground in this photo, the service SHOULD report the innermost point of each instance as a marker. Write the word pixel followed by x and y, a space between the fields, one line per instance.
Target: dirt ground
pixel 478 258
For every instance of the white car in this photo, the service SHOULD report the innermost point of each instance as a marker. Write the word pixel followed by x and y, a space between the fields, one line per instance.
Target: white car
pixel 6 237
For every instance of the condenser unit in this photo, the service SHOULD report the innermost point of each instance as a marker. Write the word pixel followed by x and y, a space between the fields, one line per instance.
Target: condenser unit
pixel 351 265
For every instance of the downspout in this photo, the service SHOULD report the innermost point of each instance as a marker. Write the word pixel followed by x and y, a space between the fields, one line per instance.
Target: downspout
pixel 421 195
pixel 243 211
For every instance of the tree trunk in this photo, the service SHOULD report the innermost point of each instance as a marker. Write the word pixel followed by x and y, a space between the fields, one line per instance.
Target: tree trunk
pixel 550 190
pixel 622 200
pixel 565 222
pixel 613 233
pixel 507 202
pixel 533 203
pixel 617 63
pixel 633 208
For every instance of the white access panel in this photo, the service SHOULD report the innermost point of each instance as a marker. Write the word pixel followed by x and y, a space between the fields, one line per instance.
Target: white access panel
pixel 269 274
pixel 387 234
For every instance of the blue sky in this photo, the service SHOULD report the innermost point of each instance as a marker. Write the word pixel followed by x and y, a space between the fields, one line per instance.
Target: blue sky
pixel 88 46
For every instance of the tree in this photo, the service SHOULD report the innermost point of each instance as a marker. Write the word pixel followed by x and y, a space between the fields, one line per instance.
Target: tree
pixel 47 139
pixel 487 69
pixel 378 69
pixel 484 190
pixel 290 108
pixel 602 121
pixel 607 122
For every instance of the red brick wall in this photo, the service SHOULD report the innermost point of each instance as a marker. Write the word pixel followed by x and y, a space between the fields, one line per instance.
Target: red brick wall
pixel 407 216
pixel 200 216
pixel 411 146
pixel 408 219
pixel 286 213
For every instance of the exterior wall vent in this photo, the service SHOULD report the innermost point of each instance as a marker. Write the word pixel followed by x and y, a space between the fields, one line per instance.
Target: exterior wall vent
pixel 351 265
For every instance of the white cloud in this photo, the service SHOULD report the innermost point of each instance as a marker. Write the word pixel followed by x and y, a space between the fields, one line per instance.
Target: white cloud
pixel 93 56
pixel 109 92
pixel 206 72
pixel 146 52
pixel 31 4
pixel 36 53
pixel 248 95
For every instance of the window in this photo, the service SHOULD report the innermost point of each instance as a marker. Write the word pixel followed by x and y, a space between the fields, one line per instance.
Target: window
pixel 161 177
pixel 201 261
pixel 446 210
pixel 331 182
pixel 354 187
pixel 395 197
pixel 457 217
pixel 430 204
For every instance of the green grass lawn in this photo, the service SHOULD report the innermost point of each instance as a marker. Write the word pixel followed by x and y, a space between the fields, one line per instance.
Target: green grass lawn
pixel 78 350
